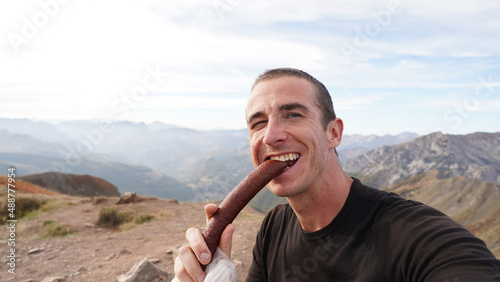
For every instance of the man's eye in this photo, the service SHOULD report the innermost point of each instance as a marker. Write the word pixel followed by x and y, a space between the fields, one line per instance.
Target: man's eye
pixel 293 115
pixel 259 124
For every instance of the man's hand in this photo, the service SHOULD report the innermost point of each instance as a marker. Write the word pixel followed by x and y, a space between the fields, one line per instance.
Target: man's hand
pixel 187 264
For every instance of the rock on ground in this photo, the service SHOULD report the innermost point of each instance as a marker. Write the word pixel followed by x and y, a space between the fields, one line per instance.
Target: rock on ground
pixel 145 271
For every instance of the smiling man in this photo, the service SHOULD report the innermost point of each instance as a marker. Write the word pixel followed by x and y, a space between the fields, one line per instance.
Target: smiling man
pixel 284 117
pixel 333 227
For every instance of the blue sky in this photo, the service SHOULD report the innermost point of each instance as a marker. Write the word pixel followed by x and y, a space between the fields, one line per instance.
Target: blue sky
pixel 390 66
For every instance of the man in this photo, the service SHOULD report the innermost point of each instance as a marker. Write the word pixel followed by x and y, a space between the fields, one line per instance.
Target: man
pixel 334 228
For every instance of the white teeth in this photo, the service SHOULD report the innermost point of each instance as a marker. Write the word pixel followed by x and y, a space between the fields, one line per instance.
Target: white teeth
pixel 286 157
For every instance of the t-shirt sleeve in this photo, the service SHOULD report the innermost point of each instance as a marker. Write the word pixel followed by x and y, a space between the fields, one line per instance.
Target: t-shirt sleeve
pixel 426 245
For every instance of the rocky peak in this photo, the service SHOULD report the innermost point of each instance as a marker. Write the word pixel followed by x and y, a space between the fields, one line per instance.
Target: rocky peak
pixel 474 155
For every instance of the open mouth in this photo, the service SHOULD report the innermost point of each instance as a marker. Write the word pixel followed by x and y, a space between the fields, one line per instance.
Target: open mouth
pixel 291 158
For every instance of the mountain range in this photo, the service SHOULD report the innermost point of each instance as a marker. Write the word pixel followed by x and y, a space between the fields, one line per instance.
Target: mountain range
pixel 156 159
pixel 168 161
pixel 474 155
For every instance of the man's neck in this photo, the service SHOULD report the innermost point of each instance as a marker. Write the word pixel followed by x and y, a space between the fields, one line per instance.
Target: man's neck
pixel 320 205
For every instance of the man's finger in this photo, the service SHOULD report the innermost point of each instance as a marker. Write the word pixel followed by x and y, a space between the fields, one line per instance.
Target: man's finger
pixel 198 245
pixel 190 264
pixel 180 272
pixel 210 209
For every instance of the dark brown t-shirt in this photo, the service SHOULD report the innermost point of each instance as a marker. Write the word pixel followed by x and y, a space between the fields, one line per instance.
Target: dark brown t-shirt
pixel 377 236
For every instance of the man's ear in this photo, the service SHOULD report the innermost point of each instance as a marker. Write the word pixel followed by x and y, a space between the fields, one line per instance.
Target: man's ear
pixel 334 132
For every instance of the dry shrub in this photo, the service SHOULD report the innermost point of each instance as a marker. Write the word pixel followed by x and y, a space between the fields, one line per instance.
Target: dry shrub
pixel 55 229
pixel 110 217
pixel 23 206
pixel 142 218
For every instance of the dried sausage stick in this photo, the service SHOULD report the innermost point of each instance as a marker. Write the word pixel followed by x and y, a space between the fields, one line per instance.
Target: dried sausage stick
pixel 237 199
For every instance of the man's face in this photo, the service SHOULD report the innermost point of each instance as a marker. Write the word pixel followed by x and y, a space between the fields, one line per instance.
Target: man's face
pixel 283 119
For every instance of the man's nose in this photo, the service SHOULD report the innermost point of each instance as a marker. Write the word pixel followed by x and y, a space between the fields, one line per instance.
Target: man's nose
pixel 275 133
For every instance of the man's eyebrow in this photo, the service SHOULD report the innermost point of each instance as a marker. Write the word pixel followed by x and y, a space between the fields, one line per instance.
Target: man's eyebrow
pixel 293 106
pixel 254 116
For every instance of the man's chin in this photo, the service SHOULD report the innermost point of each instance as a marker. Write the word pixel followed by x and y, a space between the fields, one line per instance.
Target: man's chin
pixel 279 190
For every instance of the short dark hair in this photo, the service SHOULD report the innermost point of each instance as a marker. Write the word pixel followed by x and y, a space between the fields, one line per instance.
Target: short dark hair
pixel 323 98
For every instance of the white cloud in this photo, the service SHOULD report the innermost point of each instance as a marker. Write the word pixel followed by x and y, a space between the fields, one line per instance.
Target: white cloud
pixel 92 52
pixel 354 102
pixel 179 102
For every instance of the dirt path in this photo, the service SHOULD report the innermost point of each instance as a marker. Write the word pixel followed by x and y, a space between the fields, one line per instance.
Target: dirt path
pixel 91 253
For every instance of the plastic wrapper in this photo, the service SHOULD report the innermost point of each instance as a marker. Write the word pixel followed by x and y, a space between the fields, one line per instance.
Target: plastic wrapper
pixel 220 269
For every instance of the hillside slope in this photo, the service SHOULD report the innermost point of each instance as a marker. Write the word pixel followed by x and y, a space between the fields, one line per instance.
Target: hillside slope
pixel 73 184
pixel 26 187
